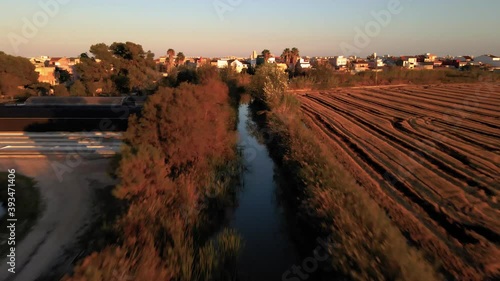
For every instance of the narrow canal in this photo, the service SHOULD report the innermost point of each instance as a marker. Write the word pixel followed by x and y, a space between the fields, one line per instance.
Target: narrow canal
pixel 260 218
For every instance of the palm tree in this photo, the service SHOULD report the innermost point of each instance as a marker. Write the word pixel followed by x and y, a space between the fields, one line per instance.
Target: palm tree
pixel 286 55
pixel 295 55
pixel 180 58
pixel 267 54
pixel 170 54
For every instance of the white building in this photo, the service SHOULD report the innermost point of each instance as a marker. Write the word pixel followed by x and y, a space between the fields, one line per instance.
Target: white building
pixel 489 60
pixel 339 61
pixel 376 63
pixel 304 63
pixel 221 64
pixel 238 66
pixel 409 62
pixel 428 57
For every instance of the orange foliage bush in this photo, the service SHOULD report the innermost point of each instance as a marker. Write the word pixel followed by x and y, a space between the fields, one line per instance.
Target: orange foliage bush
pixel 172 151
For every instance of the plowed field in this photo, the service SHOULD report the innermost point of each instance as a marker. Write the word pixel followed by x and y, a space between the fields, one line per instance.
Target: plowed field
pixel 430 156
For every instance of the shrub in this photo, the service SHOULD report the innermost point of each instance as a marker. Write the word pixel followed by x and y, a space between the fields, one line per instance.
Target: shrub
pixel 269 84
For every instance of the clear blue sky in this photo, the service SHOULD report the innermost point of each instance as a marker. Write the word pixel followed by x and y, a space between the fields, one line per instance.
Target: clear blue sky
pixel 320 27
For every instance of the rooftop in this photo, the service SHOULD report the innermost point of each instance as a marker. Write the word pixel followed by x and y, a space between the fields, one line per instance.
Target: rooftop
pixel 75 101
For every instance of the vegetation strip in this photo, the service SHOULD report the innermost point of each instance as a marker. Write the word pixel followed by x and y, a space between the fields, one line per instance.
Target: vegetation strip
pixel 362 242
pixel 177 174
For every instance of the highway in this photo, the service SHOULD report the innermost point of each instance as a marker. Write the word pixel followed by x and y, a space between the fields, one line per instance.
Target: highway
pixel 29 144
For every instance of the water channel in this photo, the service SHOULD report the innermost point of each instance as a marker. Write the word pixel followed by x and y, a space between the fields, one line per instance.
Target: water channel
pixel 260 217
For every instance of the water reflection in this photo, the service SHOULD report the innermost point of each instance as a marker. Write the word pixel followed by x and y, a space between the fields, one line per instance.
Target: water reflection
pixel 260 218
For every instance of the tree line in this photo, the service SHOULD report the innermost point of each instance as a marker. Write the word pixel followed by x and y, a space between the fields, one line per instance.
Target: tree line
pixel 17 75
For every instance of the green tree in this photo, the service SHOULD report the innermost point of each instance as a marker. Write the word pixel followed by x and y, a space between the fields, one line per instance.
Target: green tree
pixel 78 89
pixel 285 56
pixel 269 84
pixel 266 54
pixel 295 55
pixel 119 68
pixel 170 54
pixel 61 91
pixel 16 74
pixel 62 75
pixel 41 89
pixel 180 59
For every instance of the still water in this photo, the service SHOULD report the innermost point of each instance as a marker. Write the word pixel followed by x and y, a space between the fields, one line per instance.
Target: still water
pixel 260 218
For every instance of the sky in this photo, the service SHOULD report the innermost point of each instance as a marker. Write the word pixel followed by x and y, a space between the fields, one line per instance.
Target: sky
pixel 213 28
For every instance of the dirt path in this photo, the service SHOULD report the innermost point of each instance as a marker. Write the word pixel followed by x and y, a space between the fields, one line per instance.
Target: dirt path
pixel 67 209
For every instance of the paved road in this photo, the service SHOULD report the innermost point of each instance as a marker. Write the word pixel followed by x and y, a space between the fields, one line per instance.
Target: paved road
pixel 23 144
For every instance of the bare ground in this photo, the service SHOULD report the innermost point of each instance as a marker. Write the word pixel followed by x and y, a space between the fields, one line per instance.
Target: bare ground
pixel 67 211
pixel 429 155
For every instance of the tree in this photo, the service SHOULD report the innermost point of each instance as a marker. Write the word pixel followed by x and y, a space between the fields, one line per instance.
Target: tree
pixel 180 59
pixel 16 74
pixel 295 54
pixel 41 89
pixel 62 75
pixel 61 91
pixel 285 56
pixel 267 54
pixel 170 54
pixel 269 84
pixel 78 89
pixel 119 68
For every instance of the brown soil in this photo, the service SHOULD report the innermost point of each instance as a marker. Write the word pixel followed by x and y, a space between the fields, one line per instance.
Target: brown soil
pixel 430 156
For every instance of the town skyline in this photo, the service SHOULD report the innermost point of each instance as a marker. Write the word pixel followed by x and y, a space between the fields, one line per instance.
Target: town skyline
pixel 221 28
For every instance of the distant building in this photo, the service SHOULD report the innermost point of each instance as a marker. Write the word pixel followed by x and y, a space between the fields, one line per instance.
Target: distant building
pixel 254 55
pixel 304 63
pixel 40 61
pixel 253 62
pixel 430 57
pixel 409 62
pixel 376 63
pixel 426 65
pixel 46 74
pixel 339 61
pixel 238 66
pixel 219 63
pixel 490 60
pixel 360 66
pixel 437 63
pixel 464 59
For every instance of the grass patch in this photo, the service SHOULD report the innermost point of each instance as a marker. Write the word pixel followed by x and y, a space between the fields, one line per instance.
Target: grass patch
pixel 28 208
